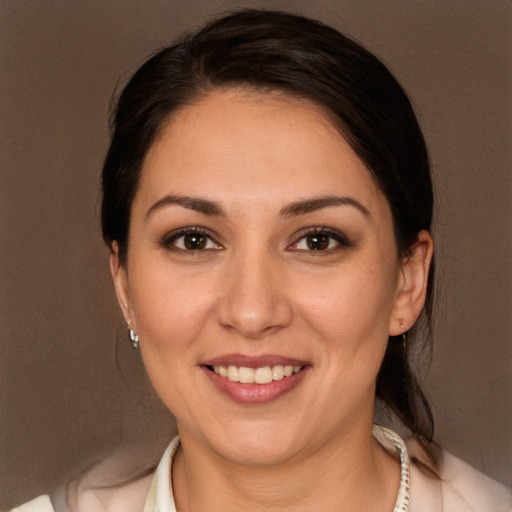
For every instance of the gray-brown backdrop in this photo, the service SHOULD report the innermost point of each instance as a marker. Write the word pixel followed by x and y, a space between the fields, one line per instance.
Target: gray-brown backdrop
pixel 71 386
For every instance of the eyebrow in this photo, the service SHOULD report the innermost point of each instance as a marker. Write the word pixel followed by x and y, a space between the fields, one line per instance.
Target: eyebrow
pixel 318 203
pixel 191 203
pixel 294 209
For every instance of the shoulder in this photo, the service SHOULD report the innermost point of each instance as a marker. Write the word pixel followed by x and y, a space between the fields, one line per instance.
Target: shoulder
pixel 464 484
pixel 457 487
pixel 117 481
pixel 78 496
pixel 40 504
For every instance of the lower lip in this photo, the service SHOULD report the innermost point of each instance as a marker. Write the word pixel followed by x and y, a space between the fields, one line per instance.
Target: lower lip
pixel 255 393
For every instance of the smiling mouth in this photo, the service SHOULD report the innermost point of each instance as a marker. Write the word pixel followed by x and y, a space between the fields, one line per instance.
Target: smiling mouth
pixel 263 375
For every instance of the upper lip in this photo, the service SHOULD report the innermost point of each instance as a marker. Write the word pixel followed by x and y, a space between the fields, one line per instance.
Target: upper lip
pixel 249 361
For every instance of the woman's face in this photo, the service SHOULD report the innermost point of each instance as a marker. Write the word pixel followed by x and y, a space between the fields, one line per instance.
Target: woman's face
pixel 258 242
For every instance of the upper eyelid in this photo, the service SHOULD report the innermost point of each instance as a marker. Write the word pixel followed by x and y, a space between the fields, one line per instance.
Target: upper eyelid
pixel 313 230
pixel 179 232
pixel 342 240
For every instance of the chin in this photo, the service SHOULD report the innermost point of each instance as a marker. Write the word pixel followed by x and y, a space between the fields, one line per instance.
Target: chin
pixel 258 453
pixel 256 445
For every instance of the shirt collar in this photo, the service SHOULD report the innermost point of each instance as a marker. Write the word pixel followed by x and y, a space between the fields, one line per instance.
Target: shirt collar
pixel 161 499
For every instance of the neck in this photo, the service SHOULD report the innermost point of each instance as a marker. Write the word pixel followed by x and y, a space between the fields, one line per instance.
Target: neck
pixel 349 472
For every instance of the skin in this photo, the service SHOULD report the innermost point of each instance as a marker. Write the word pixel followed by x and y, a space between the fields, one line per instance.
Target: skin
pixel 257 288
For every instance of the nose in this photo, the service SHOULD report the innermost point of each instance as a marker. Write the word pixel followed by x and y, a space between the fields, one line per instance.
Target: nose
pixel 254 301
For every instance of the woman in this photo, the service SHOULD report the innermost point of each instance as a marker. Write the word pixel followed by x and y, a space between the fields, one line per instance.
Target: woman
pixel 267 203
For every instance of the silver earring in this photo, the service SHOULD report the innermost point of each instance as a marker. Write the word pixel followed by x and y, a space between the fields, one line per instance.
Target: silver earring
pixel 134 339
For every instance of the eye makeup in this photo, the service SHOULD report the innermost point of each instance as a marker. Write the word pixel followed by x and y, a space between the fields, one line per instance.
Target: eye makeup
pixel 320 239
pixel 191 239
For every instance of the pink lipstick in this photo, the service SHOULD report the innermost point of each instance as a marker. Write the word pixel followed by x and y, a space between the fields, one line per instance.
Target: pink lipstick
pixel 255 379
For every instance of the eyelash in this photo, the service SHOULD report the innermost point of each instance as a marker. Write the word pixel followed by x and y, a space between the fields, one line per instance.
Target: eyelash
pixel 169 241
pixel 341 240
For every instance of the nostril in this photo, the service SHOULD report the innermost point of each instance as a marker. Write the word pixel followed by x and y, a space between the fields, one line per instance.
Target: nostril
pixel 253 302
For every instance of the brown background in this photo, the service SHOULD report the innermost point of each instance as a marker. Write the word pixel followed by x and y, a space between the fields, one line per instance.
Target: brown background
pixel 64 398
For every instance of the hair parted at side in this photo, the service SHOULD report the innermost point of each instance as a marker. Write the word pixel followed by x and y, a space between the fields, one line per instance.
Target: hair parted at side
pixel 279 52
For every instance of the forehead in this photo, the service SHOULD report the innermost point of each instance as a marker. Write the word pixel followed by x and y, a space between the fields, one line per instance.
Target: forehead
pixel 254 147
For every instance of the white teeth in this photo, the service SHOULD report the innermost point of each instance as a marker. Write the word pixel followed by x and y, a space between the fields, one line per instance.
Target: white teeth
pixel 232 373
pixel 277 372
pixel 246 375
pixel 288 370
pixel 263 375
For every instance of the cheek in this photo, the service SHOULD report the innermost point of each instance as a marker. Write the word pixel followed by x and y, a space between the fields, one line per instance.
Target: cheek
pixel 350 309
pixel 171 314
pixel 170 309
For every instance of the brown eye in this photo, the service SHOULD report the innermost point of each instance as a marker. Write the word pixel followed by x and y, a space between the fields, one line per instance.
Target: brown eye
pixel 194 241
pixel 321 240
pixel 190 239
pixel 318 242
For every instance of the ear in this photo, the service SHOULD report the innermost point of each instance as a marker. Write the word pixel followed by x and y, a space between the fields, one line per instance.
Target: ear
pixel 120 279
pixel 412 285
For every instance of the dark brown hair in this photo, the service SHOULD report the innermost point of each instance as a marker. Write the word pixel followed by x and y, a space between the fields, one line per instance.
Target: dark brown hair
pixel 276 51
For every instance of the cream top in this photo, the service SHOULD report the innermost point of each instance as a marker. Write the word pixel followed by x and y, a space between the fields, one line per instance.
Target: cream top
pixel 457 488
